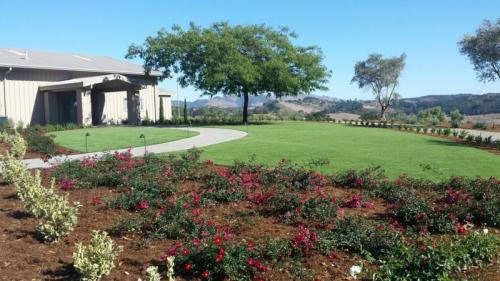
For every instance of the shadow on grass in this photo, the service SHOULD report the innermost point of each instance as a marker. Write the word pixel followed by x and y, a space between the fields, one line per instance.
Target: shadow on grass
pixel 447 143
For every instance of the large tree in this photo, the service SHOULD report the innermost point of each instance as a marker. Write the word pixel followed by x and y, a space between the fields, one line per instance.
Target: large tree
pixel 381 75
pixel 483 50
pixel 240 60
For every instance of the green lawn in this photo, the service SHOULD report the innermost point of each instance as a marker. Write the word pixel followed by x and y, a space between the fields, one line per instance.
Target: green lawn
pixel 107 138
pixel 357 147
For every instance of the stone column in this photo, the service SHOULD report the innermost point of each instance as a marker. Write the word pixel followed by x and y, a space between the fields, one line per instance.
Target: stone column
pixel 133 107
pixel 46 107
pixel 84 108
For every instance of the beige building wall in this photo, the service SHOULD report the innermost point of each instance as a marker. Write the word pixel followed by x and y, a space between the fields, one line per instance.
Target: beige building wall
pixel 167 107
pixel 26 104
pixel 24 101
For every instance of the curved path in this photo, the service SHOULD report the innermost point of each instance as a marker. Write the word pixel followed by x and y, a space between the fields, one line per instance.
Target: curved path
pixel 206 137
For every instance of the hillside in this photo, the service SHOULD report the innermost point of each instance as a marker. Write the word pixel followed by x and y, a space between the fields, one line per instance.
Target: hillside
pixel 467 103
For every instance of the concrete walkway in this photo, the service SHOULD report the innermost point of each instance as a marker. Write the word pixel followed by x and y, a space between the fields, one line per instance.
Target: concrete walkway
pixel 206 137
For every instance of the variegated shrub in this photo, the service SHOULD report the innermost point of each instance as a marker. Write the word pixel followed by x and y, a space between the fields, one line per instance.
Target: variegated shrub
pixel 97 259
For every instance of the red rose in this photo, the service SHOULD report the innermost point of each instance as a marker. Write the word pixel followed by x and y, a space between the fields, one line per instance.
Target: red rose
pixel 185 251
pixel 218 240
pixel 219 258
pixel 188 266
pixel 222 251
pixel 251 246
pixel 205 274
pixel 143 205
pixel 96 200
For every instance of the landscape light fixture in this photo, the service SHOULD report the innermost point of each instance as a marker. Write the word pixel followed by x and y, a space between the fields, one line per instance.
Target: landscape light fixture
pixel 87 135
pixel 143 136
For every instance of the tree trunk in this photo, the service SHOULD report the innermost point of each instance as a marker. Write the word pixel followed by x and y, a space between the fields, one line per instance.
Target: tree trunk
pixel 245 108
pixel 382 113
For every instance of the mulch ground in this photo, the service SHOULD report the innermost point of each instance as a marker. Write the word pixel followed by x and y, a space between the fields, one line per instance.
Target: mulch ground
pixel 24 256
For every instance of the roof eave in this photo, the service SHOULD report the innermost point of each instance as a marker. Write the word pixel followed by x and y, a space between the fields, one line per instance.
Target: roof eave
pixel 152 73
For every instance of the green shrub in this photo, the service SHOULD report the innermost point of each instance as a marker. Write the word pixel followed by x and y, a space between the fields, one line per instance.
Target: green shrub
pixel 430 260
pixel 456 118
pixel 12 169
pixel 360 236
pixel 487 140
pixel 447 131
pixel 478 139
pixel 97 259
pixel 39 142
pixel 368 178
pixel 173 221
pixel 56 216
pixel 481 125
pixel 60 218
pixel 152 272
pixel 16 142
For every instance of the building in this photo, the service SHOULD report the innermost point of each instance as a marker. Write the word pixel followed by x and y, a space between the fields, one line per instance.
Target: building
pixel 48 88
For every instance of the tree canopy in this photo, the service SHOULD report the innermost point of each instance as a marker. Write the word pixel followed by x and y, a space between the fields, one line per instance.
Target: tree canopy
pixel 483 50
pixel 239 60
pixel 433 115
pixel 381 75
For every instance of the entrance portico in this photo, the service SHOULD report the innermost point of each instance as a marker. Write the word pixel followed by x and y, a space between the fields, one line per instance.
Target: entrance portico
pixel 81 100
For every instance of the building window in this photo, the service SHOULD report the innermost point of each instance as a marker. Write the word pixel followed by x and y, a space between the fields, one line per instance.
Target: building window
pixel 125 105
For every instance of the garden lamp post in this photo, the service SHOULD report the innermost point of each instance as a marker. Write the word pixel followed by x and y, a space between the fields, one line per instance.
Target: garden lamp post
pixel 87 135
pixel 143 136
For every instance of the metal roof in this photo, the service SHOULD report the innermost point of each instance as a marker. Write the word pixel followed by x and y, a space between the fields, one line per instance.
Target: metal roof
pixel 33 59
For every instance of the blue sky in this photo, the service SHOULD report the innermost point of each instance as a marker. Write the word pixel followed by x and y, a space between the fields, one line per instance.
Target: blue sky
pixel 347 31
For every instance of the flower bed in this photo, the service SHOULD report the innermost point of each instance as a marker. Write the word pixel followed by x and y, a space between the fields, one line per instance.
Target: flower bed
pixel 247 222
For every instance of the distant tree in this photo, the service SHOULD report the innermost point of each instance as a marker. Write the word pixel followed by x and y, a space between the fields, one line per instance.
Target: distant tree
pixel 162 114
pixel 382 77
pixel 240 60
pixel 483 50
pixel 456 118
pixel 369 115
pixel 350 106
pixel 185 112
pixel 433 115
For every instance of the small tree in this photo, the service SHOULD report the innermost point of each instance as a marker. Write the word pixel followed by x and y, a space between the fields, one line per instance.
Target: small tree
pixel 162 113
pixel 382 77
pixel 456 118
pixel 433 115
pixel 483 50
pixel 185 112
pixel 241 60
